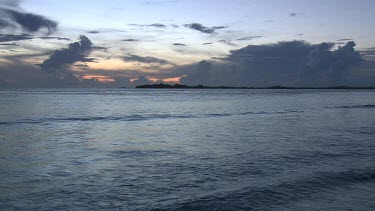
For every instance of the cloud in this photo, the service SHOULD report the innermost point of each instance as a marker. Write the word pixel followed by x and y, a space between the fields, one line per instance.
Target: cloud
pixel 156 25
pixel 9 44
pixel 204 29
pixel 130 40
pixel 27 21
pixel 293 14
pixel 94 32
pixel 104 31
pixel 146 59
pixel 344 39
pixel 207 43
pixel 290 63
pixel 141 81
pixel 77 51
pixel 248 38
pixel 10 3
pixel 15 37
pixel 179 44
pixel 227 42
pixel 57 38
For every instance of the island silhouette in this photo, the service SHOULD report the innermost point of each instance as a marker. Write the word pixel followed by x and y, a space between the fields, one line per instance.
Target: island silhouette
pixel 180 86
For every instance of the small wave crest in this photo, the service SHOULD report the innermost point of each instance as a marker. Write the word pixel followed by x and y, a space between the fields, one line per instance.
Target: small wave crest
pixel 139 117
pixel 366 106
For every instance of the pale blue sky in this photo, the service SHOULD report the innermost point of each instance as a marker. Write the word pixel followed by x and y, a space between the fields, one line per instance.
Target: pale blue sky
pixel 321 20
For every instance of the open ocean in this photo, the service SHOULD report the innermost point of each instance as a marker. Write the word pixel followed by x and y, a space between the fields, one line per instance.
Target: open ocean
pixel 131 149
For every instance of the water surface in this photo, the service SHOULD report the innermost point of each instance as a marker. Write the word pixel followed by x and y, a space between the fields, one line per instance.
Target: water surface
pixel 129 149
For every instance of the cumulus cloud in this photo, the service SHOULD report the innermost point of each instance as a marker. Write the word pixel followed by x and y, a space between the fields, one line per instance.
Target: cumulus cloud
pixel 293 63
pixel 77 51
pixel 146 59
pixel 204 29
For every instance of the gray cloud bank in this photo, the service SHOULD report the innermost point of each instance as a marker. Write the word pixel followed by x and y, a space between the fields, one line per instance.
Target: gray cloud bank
pixel 290 63
pixel 294 63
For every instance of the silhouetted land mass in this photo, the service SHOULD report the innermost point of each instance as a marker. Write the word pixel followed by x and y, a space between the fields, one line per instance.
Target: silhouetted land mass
pixel 179 86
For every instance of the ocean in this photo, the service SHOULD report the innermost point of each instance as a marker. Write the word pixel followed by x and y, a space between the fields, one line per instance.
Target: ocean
pixel 163 149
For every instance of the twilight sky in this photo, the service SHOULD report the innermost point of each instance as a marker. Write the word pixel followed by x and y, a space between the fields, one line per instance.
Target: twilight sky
pixel 114 43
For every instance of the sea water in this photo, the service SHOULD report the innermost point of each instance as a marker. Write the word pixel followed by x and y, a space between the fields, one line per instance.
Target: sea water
pixel 132 149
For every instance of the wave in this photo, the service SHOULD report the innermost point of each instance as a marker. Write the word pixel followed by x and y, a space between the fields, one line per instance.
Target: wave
pixel 138 117
pixel 355 106
pixel 275 195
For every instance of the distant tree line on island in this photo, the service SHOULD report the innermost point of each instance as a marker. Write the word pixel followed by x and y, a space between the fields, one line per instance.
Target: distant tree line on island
pixel 180 86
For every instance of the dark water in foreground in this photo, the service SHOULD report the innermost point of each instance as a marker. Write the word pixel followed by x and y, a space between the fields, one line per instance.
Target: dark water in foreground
pixel 187 149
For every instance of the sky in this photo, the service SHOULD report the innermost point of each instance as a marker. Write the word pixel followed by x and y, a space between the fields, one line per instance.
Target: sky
pixel 118 43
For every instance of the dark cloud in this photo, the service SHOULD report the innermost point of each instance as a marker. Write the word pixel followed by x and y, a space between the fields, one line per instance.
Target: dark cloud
pixel 75 52
pixel 248 38
pixel 146 59
pixel 157 25
pixel 204 29
pixel 179 44
pixel 207 43
pixel 27 21
pixel 294 63
pixel 94 32
pixel 130 40
pixel 56 38
pixel 227 42
pixel 14 37
pixel 292 14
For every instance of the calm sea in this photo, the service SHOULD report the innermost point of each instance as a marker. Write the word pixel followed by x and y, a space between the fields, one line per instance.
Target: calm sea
pixel 129 149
